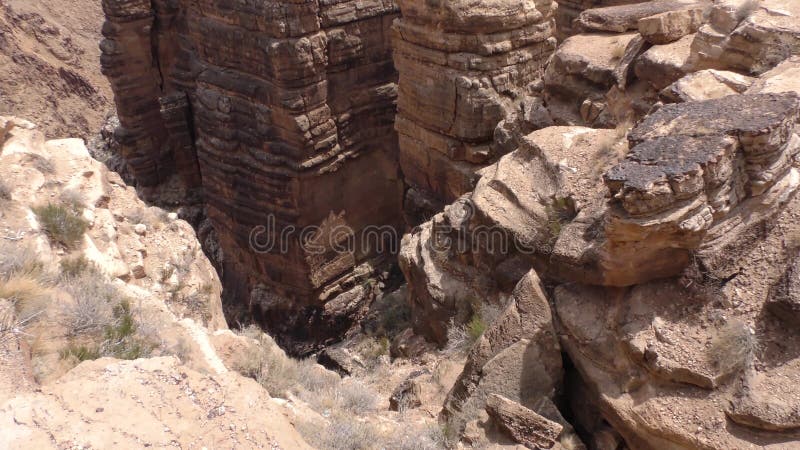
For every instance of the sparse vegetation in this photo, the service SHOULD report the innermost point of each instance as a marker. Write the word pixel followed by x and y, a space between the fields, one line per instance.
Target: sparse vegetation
pixel 100 321
pixel 75 267
pixel 618 50
pixel 91 309
pixel 62 224
pixel 461 337
pixel 26 293
pixel 733 347
pixel 17 258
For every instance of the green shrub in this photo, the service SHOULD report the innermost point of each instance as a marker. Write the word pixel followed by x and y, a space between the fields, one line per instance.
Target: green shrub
pixel 79 352
pixel 476 327
pixel 63 225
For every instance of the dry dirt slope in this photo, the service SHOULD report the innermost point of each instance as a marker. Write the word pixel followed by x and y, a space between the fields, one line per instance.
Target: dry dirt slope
pixel 50 65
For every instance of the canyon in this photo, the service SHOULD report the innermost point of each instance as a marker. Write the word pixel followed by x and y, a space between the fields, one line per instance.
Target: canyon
pixel 562 224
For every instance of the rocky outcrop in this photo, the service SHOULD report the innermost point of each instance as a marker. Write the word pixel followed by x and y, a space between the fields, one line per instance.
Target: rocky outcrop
pixel 283 114
pixel 748 36
pixel 569 10
pixel 524 425
pixel 518 356
pixel 464 67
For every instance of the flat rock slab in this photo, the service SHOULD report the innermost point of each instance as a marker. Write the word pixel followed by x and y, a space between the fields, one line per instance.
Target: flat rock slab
pixel 522 424
pixel 662 65
pixel 672 25
pixel 662 171
pixel 622 18
pixel 783 78
pixel 751 115
pixel 706 85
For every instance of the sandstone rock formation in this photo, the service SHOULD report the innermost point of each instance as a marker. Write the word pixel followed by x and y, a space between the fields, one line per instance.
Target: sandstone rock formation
pixel 283 114
pixel 464 67
pixel 668 249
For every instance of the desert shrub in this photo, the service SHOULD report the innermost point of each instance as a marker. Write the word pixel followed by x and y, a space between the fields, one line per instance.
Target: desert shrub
pixel 121 339
pixel 75 267
pixel 343 433
pixel 618 51
pixel 104 322
pixel 17 258
pixel 5 191
pixel 462 337
pixel 62 224
pixel 79 352
pixel 732 347
pixel 427 437
pixel 92 308
pixel 27 294
pixel 355 397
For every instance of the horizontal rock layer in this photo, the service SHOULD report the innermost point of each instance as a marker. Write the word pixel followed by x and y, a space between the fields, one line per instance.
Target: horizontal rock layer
pixel 462 69
pixel 283 114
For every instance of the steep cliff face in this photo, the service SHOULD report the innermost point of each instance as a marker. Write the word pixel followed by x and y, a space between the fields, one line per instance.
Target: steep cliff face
pixel 282 113
pixel 464 67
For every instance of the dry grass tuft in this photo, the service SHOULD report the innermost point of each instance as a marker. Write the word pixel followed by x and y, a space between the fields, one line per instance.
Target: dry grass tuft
pixel 733 347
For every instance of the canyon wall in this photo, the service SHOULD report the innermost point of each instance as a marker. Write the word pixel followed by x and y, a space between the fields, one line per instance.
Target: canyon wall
pixel 464 68
pixel 282 112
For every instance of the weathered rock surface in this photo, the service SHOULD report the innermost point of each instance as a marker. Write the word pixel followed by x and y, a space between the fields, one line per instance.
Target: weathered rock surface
pixel 748 36
pixel 148 402
pixel 583 70
pixel 659 18
pixel 463 68
pixel 518 356
pixel 784 300
pixel 524 425
pixel 569 10
pixel 662 65
pixel 706 85
pixel 287 112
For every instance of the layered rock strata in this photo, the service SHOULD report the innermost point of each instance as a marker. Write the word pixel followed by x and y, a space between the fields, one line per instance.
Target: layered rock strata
pixel 463 69
pixel 748 36
pixel 283 113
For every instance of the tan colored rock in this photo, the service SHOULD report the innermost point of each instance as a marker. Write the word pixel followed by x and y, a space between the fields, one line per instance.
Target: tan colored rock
pixel 783 78
pixel 147 402
pixel 748 36
pixel 625 17
pixel 670 26
pixel 706 85
pixel 662 65
pixel 522 424
pixel 583 69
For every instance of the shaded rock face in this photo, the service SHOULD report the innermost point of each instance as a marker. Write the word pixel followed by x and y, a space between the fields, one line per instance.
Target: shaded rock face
pixel 464 67
pixel 283 114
